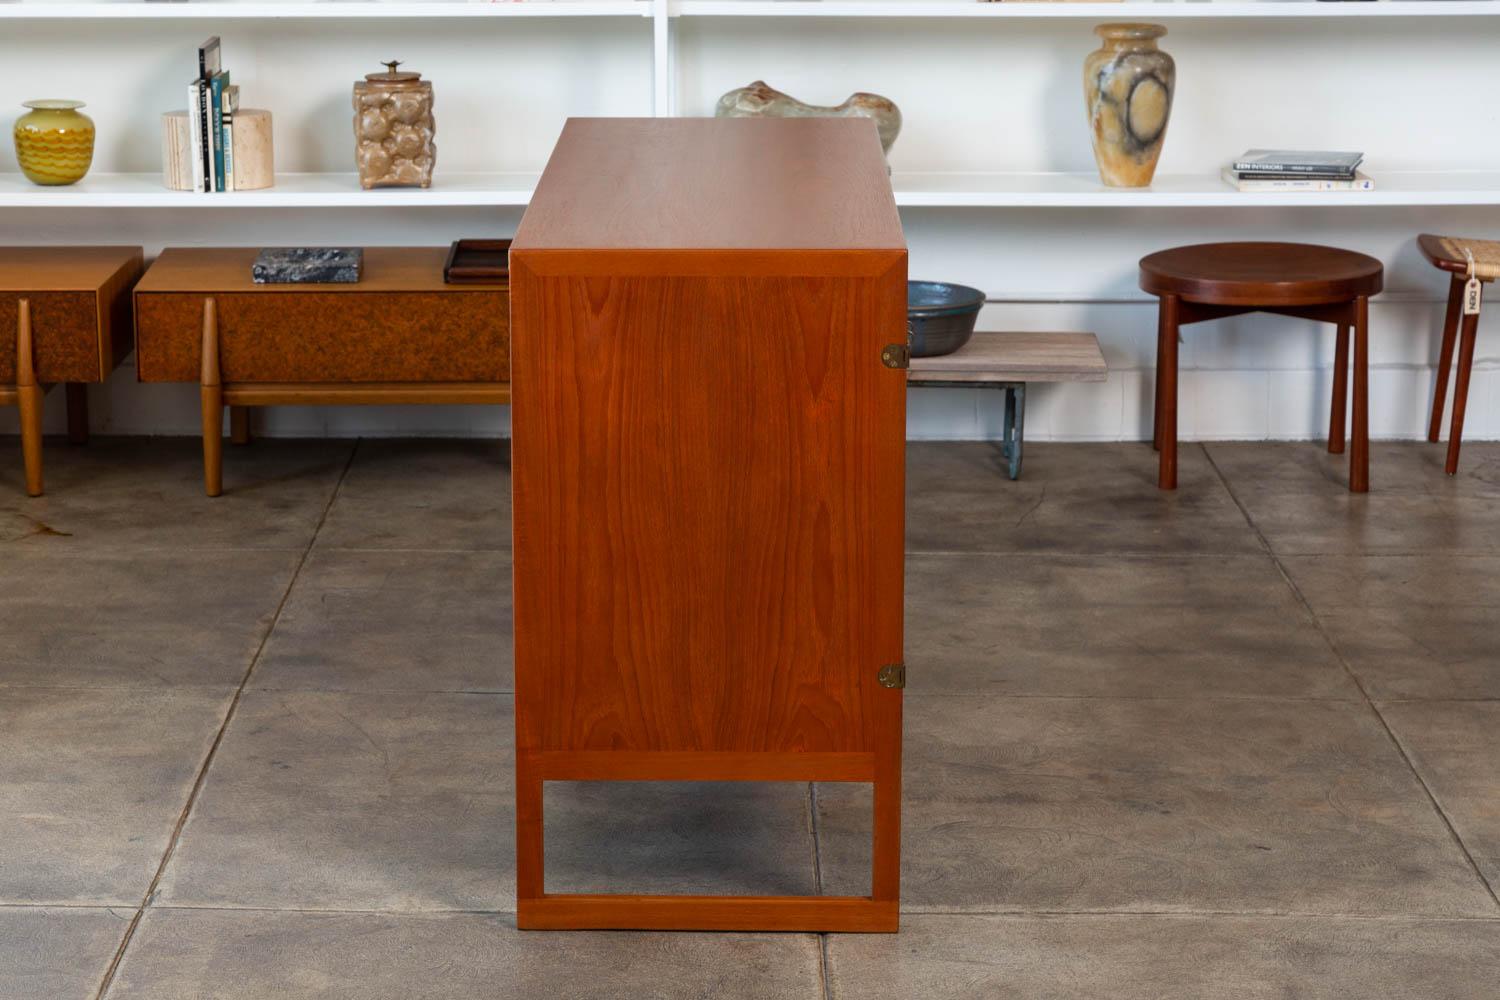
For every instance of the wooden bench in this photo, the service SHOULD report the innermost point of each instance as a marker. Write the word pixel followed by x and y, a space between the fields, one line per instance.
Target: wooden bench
pixel 1008 361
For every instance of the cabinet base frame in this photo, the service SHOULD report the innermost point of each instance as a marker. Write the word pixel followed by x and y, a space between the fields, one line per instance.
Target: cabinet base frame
pixel 537 909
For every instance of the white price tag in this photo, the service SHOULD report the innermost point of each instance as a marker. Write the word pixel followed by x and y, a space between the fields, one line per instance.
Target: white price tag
pixel 1472 296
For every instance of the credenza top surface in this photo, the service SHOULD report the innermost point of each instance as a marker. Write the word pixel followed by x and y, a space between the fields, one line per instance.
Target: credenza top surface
pixel 804 184
pixel 62 269
pixel 227 269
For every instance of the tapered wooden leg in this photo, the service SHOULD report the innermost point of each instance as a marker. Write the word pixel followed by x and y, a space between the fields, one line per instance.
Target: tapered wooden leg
pixel 1461 391
pixel 239 424
pixel 1445 355
pixel 1161 316
pixel 1166 380
pixel 1359 452
pixel 211 392
pixel 28 401
pixel 1340 392
pixel 78 412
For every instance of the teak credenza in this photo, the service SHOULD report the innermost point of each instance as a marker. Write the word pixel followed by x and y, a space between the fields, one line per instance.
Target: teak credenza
pixel 71 309
pixel 398 335
pixel 708 444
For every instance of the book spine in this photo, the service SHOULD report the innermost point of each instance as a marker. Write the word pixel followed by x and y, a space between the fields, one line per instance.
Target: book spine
pixel 1298 184
pixel 226 127
pixel 216 126
pixel 1247 167
pixel 1247 175
pixel 195 131
pixel 205 143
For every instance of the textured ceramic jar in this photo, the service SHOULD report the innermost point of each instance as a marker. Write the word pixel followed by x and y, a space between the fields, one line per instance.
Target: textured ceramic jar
pixel 1128 84
pixel 54 142
pixel 393 129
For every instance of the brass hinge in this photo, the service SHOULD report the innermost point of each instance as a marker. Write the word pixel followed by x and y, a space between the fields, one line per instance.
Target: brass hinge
pixel 892 675
pixel 896 356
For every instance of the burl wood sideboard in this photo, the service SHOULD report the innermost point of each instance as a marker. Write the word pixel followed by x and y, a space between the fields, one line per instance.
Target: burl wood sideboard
pixel 65 314
pixel 709 332
pixel 398 335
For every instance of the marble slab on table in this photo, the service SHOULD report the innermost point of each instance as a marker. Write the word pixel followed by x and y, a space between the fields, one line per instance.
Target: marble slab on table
pixel 307 265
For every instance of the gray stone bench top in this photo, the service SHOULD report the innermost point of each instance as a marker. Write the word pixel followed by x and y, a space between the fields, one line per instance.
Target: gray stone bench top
pixel 1016 357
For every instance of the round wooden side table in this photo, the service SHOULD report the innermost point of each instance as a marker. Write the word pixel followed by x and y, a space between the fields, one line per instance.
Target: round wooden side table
pixel 1448 254
pixel 1214 280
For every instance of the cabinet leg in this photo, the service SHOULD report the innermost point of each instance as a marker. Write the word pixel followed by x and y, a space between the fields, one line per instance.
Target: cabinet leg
pixel 1340 392
pixel 78 413
pixel 1166 382
pixel 239 424
pixel 1461 391
pixel 211 393
pixel 28 401
pixel 1359 453
pixel 530 859
pixel 1445 355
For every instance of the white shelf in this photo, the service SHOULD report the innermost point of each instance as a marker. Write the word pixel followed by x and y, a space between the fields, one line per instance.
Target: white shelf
pixel 1083 190
pixel 291 191
pixel 332 9
pixel 1127 11
pixel 913 190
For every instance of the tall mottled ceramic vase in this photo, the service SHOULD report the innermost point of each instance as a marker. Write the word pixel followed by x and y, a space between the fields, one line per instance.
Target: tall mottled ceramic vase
pixel 54 142
pixel 1128 84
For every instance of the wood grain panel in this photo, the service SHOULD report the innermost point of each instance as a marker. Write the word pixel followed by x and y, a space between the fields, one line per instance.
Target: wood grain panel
pixel 65 336
pixel 714 184
pixel 449 336
pixel 708 482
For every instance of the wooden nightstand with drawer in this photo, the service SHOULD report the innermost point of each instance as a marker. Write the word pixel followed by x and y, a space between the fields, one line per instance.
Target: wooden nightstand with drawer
pixel 71 313
pixel 398 335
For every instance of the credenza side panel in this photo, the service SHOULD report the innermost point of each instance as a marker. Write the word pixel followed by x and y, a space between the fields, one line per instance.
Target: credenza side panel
pixel 708 475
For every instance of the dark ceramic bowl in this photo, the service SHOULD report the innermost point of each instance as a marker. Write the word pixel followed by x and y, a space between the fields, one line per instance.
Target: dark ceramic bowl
pixel 941 316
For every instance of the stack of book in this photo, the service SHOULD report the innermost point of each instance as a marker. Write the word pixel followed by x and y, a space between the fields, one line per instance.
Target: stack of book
pixel 1297 170
pixel 212 103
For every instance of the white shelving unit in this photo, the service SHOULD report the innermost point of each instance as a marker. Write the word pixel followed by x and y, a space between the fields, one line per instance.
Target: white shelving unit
pixel 913 190
pixel 1153 10
pixel 326 10
pixel 992 169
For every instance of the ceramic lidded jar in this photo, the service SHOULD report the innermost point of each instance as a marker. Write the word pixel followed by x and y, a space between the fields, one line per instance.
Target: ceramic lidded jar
pixel 54 142
pixel 393 129
pixel 1128 84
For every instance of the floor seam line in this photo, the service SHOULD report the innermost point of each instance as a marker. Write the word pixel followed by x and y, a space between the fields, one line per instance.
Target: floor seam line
pixel 1338 654
pixel 197 788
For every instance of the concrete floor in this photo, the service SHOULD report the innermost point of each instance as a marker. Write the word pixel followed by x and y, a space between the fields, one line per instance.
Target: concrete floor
pixel 1241 741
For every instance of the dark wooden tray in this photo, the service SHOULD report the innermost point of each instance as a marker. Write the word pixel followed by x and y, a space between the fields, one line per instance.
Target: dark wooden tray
pixel 477 262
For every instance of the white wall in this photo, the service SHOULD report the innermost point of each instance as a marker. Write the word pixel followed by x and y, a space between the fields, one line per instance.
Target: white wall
pixel 977 95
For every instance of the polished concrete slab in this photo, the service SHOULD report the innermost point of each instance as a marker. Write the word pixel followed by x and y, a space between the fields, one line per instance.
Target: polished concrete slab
pixel 57 952
pixel 261 955
pixel 1156 956
pixel 1236 741
pixel 1156 804
pixel 92 783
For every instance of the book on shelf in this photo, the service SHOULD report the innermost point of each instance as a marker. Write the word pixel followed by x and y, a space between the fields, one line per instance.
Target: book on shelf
pixel 1360 181
pixel 195 133
pixel 210 64
pixel 216 85
pixel 1299 161
pixel 229 103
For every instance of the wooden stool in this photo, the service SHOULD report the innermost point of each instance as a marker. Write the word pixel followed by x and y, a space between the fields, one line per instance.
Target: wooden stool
pixel 1447 253
pixel 1215 280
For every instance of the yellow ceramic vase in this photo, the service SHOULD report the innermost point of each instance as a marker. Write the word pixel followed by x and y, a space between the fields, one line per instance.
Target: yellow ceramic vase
pixel 54 142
